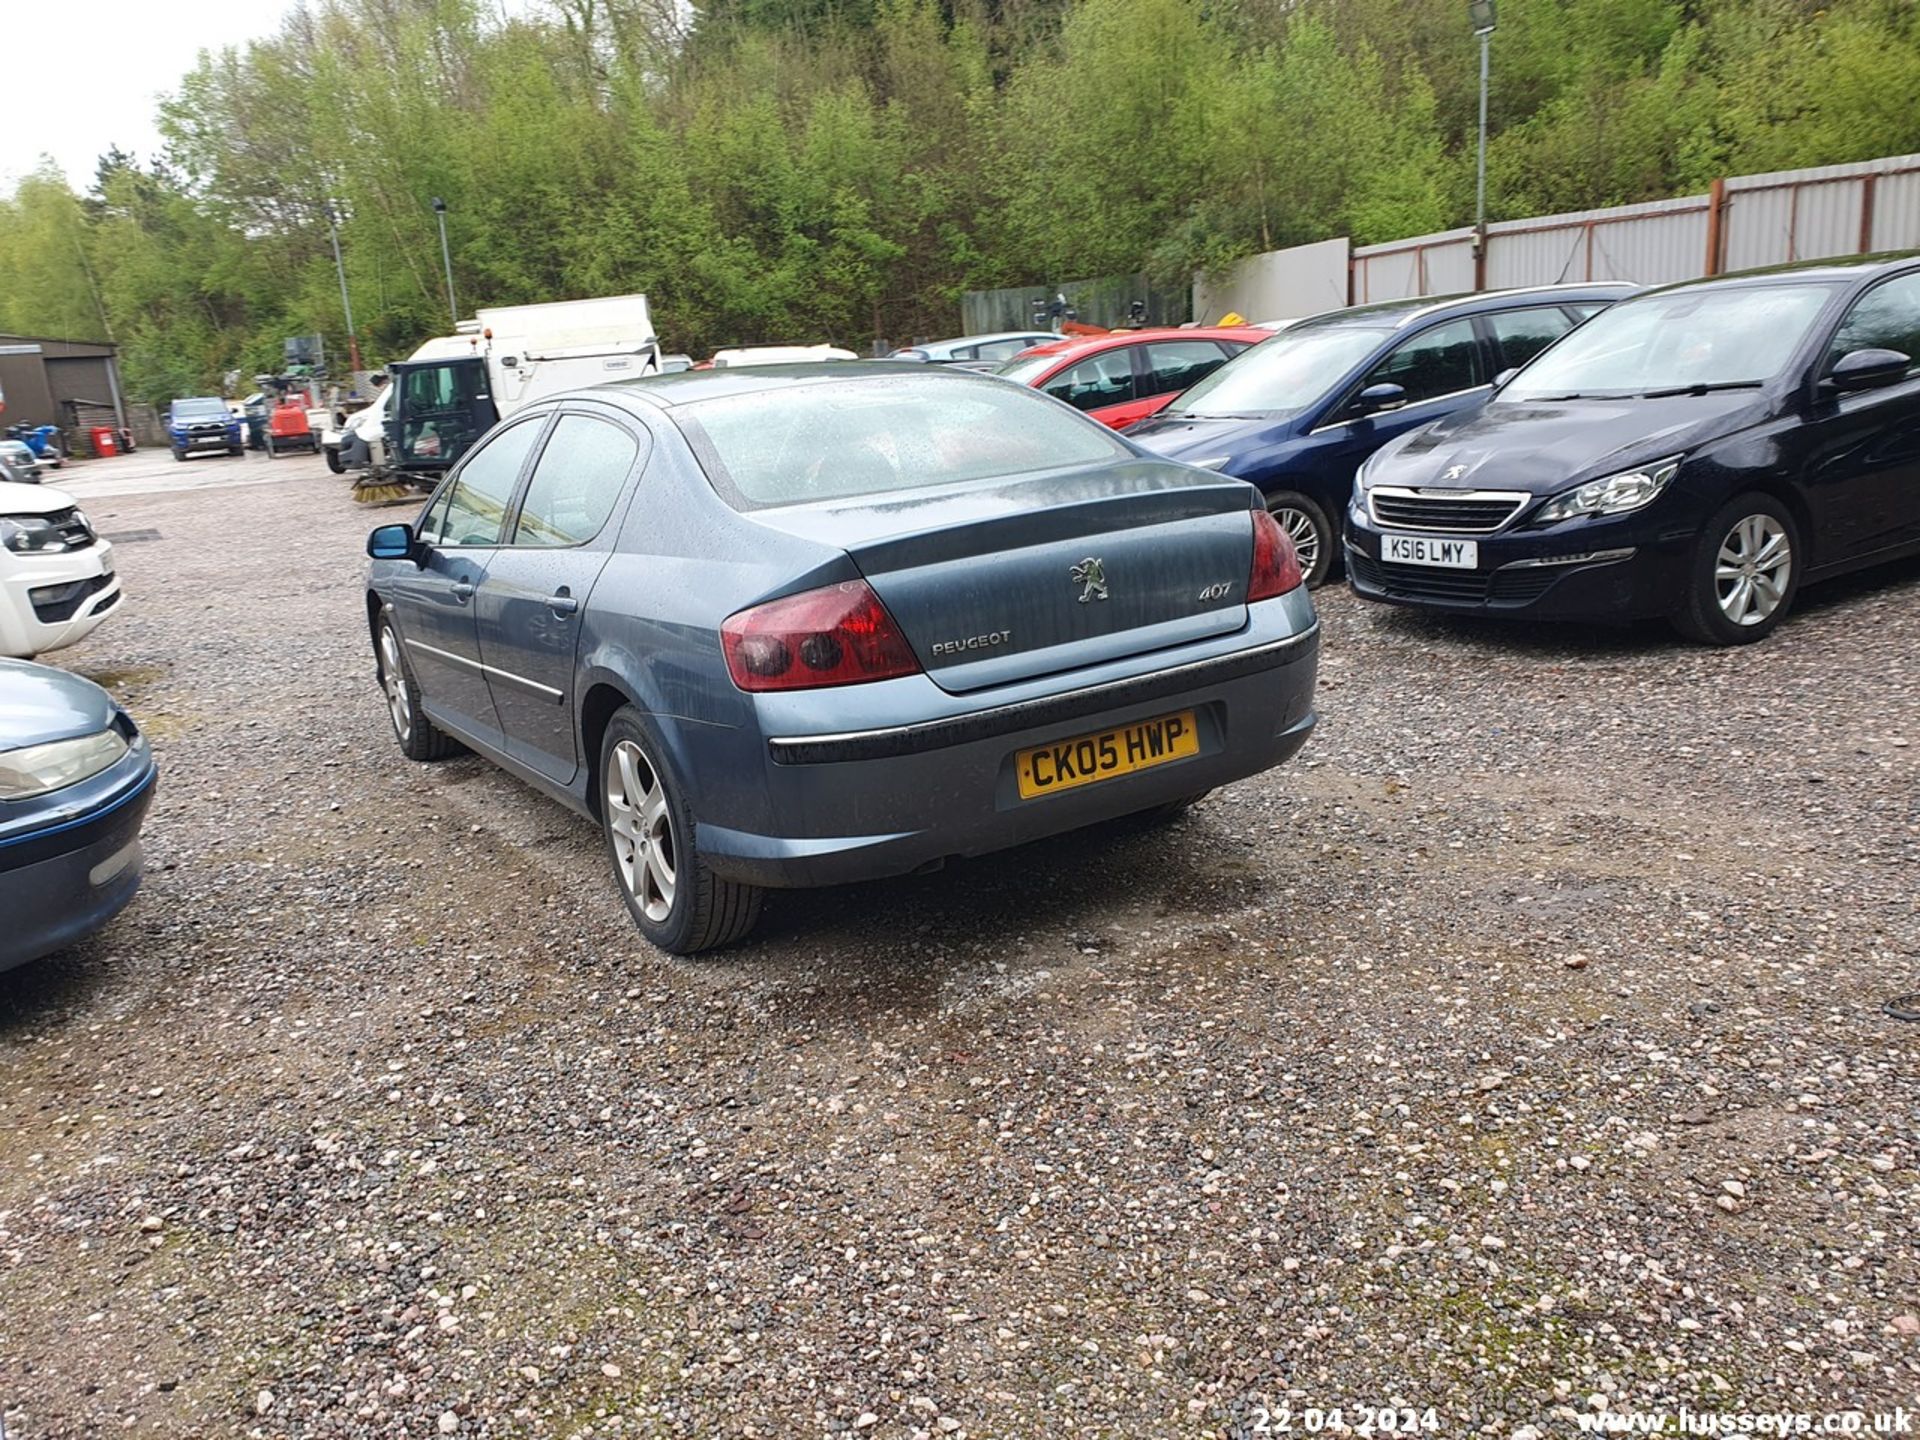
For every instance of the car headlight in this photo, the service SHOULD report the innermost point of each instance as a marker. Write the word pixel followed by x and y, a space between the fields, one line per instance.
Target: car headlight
pixel 39 768
pixel 31 534
pixel 1615 495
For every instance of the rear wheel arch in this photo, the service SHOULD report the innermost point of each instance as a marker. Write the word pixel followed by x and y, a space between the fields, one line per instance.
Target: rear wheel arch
pixel 598 706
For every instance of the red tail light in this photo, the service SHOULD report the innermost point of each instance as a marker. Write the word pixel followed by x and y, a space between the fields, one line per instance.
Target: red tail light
pixel 1276 564
pixel 837 635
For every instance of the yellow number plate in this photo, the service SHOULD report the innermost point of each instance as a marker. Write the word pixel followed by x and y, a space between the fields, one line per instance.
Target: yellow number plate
pixel 1068 764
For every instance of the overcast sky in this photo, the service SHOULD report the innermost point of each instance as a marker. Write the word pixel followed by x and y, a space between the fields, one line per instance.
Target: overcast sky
pixel 87 74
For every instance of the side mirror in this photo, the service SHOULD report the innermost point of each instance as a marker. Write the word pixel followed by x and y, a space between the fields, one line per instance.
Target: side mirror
pixel 391 542
pixel 1869 369
pixel 1505 375
pixel 1379 399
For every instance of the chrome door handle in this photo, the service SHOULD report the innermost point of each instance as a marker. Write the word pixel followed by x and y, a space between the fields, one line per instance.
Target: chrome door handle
pixel 462 591
pixel 561 603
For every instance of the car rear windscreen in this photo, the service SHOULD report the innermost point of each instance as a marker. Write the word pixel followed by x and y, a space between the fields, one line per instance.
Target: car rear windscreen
pixel 835 439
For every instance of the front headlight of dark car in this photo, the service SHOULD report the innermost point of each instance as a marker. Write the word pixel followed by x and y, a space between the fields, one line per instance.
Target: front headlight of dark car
pixel 37 769
pixel 1613 495
pixel 32 535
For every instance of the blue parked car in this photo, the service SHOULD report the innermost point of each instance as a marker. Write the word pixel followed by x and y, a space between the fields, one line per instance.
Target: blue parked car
pixel 1298 414
pixel 202 423
pixel 806 624
pixel 76 778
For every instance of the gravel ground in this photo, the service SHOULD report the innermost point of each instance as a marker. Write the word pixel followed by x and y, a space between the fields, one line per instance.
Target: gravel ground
pixel 1518 1052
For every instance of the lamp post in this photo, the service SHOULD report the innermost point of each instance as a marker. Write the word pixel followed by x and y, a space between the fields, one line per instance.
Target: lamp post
pixel 1481 13
pixel 446 257
pixel 353 338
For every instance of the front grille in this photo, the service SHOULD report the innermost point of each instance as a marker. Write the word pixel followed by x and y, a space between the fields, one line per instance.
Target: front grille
pixel 55 604
pixel 1517 586
pixel 1454 512
pixel 1417 582
pixel 73 528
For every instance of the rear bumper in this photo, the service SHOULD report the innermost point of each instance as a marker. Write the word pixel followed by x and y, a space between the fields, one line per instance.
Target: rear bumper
pixel 67 883
pixel 869 804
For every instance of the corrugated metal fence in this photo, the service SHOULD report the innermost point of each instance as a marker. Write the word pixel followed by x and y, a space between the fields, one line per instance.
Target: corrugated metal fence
pixel 1106 301
pixel 1740 223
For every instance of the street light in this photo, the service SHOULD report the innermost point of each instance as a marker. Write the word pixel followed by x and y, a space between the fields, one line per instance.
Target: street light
pixel 440 209
pixel 353 339
pixel 1481 13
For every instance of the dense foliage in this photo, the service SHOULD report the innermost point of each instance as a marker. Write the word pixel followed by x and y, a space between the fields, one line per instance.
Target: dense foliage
pixel 799 170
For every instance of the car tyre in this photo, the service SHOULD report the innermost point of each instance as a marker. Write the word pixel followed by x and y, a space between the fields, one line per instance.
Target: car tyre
pixel 180 455
pixel 1744 573
pixel 234 450
pixel 1312 533
pixel 333 461
pixel 677 903
pixel 419 737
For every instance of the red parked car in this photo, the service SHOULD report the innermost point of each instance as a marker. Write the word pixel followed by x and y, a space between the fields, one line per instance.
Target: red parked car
pixel 1121 378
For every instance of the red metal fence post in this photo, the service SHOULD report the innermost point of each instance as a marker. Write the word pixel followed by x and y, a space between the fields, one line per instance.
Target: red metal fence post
pixel 1716 205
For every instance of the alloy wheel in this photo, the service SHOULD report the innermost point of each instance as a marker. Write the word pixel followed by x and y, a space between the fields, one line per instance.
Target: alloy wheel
pixel 1751 572
pixel 394 681
pixel 1304 534
pixel 641 826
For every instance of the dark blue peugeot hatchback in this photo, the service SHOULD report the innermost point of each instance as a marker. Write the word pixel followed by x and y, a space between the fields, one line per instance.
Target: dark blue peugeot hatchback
pixel 1696 453
pixel 1298 414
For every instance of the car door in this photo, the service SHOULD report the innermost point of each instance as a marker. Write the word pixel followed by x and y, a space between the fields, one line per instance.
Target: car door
pixel 532 601
pixel 433 602
pixel 1442 369
pixel 1162 369
pixel 1100 384
pixel 1860 451
pixel 1519 335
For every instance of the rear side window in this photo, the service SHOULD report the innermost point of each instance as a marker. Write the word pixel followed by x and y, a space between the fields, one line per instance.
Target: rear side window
pixel 1096 382
pixel 1523 334
pixel 576 482
pixel 830 440
pixel 1000 349
pixel 1437 362
pixel 477 503
pixel 1174 365
pixel 1887 317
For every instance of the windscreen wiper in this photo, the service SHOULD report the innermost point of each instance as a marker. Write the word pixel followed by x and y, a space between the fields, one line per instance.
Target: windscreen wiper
pixel 1700 387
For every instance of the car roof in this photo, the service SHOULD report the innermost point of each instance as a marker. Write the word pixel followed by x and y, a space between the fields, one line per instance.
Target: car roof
pixel 976 339
pixel 1396 314
pixel 684 387
pixel 1849 268
pixel 1093 344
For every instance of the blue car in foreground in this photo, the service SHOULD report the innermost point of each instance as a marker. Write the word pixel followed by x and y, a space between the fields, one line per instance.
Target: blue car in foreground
pixel 203 423
pixel 1299 414
pixel 816 623
pixel 76 778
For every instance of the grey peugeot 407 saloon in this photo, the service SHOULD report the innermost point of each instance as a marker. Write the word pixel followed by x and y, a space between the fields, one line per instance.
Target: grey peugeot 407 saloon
pixel 815 624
